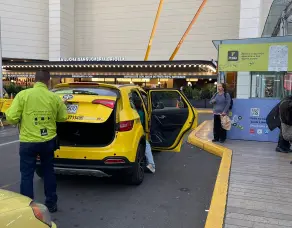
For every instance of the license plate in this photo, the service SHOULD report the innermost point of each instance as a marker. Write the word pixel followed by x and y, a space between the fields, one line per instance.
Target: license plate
pixel 72 108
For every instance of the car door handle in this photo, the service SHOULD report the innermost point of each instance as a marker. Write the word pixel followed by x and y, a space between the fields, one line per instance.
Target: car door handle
pixel 162 117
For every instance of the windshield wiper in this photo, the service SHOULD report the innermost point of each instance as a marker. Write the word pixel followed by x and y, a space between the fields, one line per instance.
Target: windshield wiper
pixel 84 92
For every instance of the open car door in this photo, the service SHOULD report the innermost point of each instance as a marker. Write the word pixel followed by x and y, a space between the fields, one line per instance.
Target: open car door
pixel 171 117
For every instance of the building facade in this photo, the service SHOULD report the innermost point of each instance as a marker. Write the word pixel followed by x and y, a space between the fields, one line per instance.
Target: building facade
pixel 50 29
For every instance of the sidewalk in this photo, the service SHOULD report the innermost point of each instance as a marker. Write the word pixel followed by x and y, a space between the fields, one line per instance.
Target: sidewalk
pixel 260 184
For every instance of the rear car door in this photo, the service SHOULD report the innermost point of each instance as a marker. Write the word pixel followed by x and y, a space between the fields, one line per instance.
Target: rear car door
pixel 171 117
pixel 88 104
pixel 91 110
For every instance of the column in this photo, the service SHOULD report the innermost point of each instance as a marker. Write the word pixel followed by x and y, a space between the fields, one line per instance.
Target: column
pixel 249 27
pixel 61 29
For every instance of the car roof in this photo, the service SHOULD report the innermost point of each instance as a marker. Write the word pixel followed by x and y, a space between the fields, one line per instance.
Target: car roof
pixel 116 86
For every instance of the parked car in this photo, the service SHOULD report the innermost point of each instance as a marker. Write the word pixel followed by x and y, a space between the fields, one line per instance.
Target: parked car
pixel 5 94
pixel 103 135
pixel 19 211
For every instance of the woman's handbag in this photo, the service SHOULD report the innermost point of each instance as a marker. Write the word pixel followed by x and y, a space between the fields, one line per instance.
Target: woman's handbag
pixel 225 122
pixel 286 132
pixel 285 118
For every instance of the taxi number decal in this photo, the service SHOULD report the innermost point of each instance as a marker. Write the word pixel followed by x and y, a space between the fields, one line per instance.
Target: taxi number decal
pixel 71 117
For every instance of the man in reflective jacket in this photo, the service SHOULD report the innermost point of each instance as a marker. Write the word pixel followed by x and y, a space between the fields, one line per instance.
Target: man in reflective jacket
pixel 37 110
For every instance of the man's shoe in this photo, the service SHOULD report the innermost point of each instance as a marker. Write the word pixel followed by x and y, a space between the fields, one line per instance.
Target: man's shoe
pixel 280 150
pixel 52 209
pixel 215 140
pixel 222 141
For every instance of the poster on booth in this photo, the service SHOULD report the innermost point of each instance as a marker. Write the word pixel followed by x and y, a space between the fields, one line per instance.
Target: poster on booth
pixel 255 57
pixel 248 119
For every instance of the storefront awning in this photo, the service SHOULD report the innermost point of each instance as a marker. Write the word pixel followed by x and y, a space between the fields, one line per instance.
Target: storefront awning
pixel 11 74
pixel 116 66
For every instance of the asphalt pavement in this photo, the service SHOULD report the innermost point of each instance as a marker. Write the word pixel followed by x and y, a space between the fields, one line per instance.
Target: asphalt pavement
pixel 176 196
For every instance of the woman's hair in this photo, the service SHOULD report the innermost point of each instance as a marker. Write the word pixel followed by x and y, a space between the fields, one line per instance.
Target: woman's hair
pixel 224 86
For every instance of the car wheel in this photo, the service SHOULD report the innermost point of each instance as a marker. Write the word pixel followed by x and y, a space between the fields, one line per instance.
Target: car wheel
pixel 39 172
pixel 136 177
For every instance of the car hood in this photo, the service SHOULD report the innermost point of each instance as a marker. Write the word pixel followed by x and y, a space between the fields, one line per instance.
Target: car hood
pixel 11 201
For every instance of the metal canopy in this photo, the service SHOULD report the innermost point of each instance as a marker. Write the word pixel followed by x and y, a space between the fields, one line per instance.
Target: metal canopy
pixel 278 39
pixel 109 63
pixel 280 11
pixel 116 67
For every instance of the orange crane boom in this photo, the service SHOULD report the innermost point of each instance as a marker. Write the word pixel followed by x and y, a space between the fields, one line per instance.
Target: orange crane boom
pixel 188 29
pixel 153 30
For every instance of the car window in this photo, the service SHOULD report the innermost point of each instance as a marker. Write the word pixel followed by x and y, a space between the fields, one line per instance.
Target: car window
pixel 133 97
pixel 145 99
pixel 131 101
pixel 86 91
pixel 167 100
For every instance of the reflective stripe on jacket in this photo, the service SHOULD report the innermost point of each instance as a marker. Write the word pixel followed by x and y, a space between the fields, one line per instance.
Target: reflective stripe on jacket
pixel 37 110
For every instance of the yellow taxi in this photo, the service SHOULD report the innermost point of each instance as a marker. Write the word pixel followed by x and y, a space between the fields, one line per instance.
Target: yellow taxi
pixel 20 211
pixel 103 135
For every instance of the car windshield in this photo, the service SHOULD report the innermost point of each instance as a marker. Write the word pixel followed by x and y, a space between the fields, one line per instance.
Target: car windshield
pixel 86 91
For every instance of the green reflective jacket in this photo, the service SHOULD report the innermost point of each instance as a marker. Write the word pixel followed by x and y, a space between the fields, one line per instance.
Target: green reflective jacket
pixel 37 110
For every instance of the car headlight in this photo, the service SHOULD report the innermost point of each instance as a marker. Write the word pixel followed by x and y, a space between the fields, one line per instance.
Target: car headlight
pixel 41 213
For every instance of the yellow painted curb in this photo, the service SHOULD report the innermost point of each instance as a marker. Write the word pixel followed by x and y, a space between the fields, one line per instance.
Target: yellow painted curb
pixel 217 208
pixel 207 111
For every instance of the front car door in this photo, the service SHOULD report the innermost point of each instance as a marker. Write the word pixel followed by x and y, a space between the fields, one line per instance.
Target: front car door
pixel 171 117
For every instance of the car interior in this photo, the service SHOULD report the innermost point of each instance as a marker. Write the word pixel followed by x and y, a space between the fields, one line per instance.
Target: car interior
pixel 169 114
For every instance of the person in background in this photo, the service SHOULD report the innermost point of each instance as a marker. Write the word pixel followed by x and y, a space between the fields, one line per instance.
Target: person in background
pixel 273 122
pixel 221 102
pixel 37 110
pixel 181 89
pixel 148 151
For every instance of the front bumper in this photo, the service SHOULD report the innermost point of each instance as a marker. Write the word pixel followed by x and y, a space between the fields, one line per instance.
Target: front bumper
pixel 89 167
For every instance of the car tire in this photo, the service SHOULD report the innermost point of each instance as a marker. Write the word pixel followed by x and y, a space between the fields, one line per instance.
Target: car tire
pixel 39 172
pixel 136 177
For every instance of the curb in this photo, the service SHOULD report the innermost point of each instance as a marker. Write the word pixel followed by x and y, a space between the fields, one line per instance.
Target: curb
pixel 208 111
pixel 217 208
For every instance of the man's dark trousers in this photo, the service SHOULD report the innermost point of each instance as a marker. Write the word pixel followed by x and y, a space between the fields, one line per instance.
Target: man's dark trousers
pixel 28 154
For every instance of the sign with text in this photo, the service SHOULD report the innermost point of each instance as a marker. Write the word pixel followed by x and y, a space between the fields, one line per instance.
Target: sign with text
pixel 249 120
pixel 255 57
pixel 88 59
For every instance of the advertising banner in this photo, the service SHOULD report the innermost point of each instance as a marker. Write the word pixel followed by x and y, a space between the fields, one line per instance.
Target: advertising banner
pixel 255 57
pixel 248 119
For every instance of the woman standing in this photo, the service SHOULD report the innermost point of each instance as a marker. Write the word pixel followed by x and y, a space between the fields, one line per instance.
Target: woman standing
pixel 221 103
